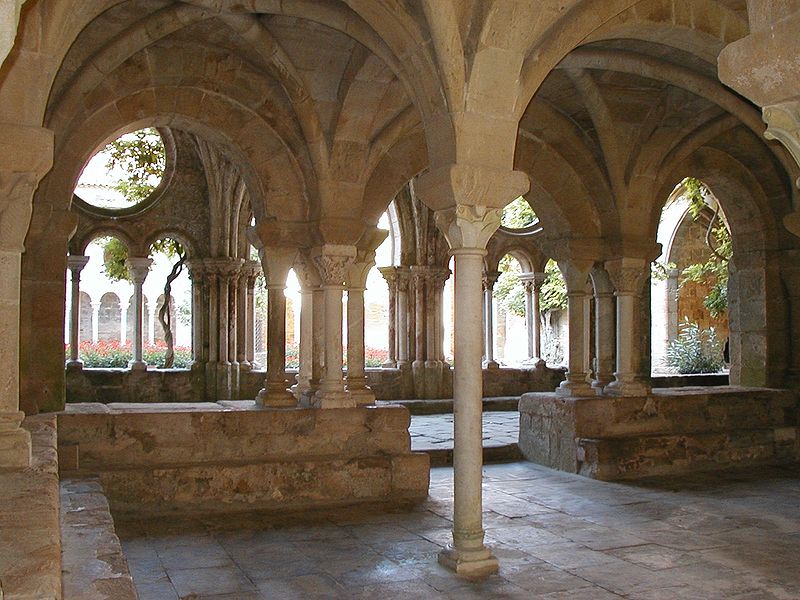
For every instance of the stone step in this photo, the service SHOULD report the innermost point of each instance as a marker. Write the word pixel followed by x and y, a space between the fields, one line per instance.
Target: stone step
pixel 443 457
pixel 653 455
pixel 445 406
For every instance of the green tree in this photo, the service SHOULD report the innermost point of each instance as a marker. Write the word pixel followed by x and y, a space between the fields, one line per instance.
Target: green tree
pixel 554 289
pixel 142 157
pixel 508 290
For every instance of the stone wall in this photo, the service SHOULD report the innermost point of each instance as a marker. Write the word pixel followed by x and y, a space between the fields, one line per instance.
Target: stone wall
pixel 227 457
pixel 670 431
pixel 187 385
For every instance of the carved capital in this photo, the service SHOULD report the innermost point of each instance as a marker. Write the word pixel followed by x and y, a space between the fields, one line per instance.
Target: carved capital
pixel 76 263
pixel 783 125
pixel 333 263
pixel 276 262
pixel 489 279
pixel 576 274
pixel 359 271
pixel 628 275
pixel 389 275
pixel 468 227
pixel 138 268
pixel 16 206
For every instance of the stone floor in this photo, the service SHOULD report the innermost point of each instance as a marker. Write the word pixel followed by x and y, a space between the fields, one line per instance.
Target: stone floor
pixel 436 431
pixel 731 536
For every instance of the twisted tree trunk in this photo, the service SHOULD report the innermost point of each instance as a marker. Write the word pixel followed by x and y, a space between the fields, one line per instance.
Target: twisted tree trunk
pixel 164 316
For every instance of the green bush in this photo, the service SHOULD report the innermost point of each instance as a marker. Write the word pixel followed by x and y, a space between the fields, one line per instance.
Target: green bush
pixel 695 350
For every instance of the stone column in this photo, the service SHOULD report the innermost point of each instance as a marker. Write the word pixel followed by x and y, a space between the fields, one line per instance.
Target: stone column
pixel 333 262
pixel 250 339
pixel 576 273
pixel 137 270
pixel 403 333
pixel 438 277
pixel 489 279
pixel 532 282
pixel 123 320
pixel 468 229
pixel 233 275
pixel 75 263
pixel 307 374
pixel 242 319
pixel 96 321
pixel 197 275
pixel 628 276
pixel 390 275
pixel 420 337
pixel 276 262
pixel 605 329
pixel 672 303
pixel 357 386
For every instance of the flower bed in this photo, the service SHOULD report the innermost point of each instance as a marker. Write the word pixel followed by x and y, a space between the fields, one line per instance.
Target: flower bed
pixel 113 355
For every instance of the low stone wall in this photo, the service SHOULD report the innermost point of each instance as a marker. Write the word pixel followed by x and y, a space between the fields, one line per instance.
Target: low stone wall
pixel 670 431
pixel 222 457
pixel 94 564
pixel 186 385
pixel 30 540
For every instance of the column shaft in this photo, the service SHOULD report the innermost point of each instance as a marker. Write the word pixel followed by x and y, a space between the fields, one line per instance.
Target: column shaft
pixel 275 392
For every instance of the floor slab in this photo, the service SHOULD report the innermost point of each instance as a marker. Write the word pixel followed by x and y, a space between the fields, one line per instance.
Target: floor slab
pixel 722 535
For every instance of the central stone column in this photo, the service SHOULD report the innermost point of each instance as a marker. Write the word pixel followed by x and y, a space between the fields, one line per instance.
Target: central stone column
pixel 628 276
pixel 276 262
pixel 75 263
pixel 576 274
pixel 390 275
pixel 468 229
pixel 488 280
pixel 137 270
pixel 333 262
pixel 403 332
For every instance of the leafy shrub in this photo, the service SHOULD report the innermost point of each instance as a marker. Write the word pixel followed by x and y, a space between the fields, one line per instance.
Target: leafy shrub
pixel 113 355
pixel 695 350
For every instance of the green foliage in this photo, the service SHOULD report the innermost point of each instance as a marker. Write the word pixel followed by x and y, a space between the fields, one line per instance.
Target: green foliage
pixel 142 157
pixel 518 214
pixel 115 253
pixel 554 289
pixel 508 290
pixel 718 239
pixel 695 350
pixel 659 270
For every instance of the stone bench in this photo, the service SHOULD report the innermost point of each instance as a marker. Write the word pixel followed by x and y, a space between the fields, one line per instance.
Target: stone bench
pixel 669 431
pixel 223 457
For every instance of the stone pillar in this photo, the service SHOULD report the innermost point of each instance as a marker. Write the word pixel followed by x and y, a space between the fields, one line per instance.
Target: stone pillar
pixel 420 337
pixel 197 275
pixel 75 263
pixel 628 276
pixel 438 277
pixel 96 321
pixel 403 333
pixel 489 279
pixel 576 273
pixel 467 230
pixel 242 319
pixel 333 263
pixel 357 386
pixel 672 304
pixel 276 262
pixel 233 275
pixel 390 275
pixel 532 282
pixel 605 329
pixel 307 374
pixel 250 332
pixel 123 320
pixel 137 270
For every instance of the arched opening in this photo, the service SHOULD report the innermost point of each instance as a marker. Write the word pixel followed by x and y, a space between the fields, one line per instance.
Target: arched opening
pixel 553 310
pixel 510 339
pixel 169 324
pixel 689 289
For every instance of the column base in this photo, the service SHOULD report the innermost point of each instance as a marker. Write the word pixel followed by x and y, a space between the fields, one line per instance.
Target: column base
pixel 15 442
pixel 389 364
pixel 137 365
pixel 472 563
pixel 362 396
pixel 245 366
pixel 270 397
pixel 333 399
pixel 575 388
pixel 74 365
pixel 627 388
pixel 491 364
pixel 600 384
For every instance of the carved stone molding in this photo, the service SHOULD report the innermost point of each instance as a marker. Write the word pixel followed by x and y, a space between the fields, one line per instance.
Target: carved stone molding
pixel 783 125
pixel 138 268
pixel 76 263
pixel 468 227
pixel 489 279
pixel 333 263
pixel 628 275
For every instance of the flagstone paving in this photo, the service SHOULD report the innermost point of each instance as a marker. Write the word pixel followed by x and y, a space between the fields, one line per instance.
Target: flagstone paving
pixel 731 535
